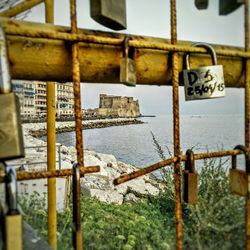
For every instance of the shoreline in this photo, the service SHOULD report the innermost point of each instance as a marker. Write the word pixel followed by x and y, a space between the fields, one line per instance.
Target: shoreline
pixel 40 129
pixel 99 185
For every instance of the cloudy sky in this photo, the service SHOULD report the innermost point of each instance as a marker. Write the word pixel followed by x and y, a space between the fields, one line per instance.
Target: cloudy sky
pixel 151 18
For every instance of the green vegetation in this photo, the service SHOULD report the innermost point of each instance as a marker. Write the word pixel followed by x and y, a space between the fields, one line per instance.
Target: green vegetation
pixel 215 222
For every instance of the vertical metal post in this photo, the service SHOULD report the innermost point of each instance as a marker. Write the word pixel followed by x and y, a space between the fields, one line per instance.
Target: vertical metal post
pixel 77 87
pixel 176 120
pixel 51 144
pixel 78 113
pixel 247 119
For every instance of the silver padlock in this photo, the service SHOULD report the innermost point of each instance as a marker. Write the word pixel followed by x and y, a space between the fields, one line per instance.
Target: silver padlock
pixel 13 218
pixel 11 138
pixel 127 66
pixel 204 82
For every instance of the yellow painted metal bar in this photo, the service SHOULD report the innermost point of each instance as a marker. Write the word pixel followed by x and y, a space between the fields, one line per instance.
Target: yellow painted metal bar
pixel 19 8
pixel 153 66
pixel 51 144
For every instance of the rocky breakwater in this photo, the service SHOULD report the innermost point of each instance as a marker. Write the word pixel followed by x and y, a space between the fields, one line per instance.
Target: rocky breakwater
pixel 40 129
pixel 99 184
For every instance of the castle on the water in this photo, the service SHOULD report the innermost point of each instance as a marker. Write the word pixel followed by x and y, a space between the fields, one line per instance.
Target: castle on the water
pixel 115 106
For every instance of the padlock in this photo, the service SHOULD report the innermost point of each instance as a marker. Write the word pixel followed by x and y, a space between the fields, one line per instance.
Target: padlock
pixel 110 13
pixel 13 235
pixel 228 6
pixel 190 179
pixel 204 82
pixel 238 179
pixel 77 231
pixel 201 4
pixel 127 66
pixel 11 138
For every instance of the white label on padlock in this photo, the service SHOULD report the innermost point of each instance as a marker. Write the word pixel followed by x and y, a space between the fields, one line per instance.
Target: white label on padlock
pixel 204 83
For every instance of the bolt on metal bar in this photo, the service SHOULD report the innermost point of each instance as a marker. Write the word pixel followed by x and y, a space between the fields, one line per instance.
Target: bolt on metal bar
pixel 25 176
pixel 19 8
pixel 51 144
pixel 176 126
pixel 127 177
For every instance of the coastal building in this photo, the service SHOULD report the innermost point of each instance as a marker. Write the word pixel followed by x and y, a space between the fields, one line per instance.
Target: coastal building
pixel 40 99
pixel 117 106
pixel 65 99
pixel 26 93
pixel 33 98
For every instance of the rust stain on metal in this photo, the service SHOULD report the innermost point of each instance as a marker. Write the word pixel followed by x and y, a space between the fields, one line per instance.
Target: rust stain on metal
pixel 22 176
pixel 92 48
pixel 127 177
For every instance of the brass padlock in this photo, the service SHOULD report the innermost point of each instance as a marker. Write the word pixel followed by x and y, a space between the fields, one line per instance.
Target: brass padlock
pixel 238 179
pixel 127 66
pixel 204 82
pixel 11 138
pixel 110 13
pixel 13 236
pixel 190 179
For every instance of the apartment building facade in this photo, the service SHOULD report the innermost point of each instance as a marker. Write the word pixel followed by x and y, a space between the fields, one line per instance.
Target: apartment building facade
pixel 65 99
pixel 33 100
pixel 26 93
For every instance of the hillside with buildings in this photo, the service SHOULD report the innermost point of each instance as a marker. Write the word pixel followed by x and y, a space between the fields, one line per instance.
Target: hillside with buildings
pixel 32 97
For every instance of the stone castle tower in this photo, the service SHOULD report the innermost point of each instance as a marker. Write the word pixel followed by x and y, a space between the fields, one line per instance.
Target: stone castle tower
pixel 118 106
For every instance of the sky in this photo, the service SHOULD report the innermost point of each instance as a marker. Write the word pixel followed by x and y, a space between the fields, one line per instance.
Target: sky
pixel 152 18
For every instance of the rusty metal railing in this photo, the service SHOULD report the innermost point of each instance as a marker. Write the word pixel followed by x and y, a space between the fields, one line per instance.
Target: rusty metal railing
pixel 74 37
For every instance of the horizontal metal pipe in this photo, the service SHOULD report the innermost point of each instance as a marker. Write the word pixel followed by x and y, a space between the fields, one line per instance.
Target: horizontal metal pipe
pixel 144 171
pixel 127 177
pixel 19 8
pixel 30 41
pixel 22 176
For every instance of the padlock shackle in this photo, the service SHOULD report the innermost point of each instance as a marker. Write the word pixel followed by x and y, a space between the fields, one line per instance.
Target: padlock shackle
pixel 247 158
pixel 5 80
pixel 76 205
pixel 206 46
pixel 11 191
pixel 190 162
pixel 125 52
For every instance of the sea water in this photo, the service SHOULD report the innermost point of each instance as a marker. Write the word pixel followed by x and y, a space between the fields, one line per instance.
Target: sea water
pixel 134 143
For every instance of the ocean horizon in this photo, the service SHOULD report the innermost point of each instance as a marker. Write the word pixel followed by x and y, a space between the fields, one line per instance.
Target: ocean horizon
pixel 133 144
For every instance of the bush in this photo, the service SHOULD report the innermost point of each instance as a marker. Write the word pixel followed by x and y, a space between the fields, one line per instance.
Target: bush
pixel 105 226
pixel 215 222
